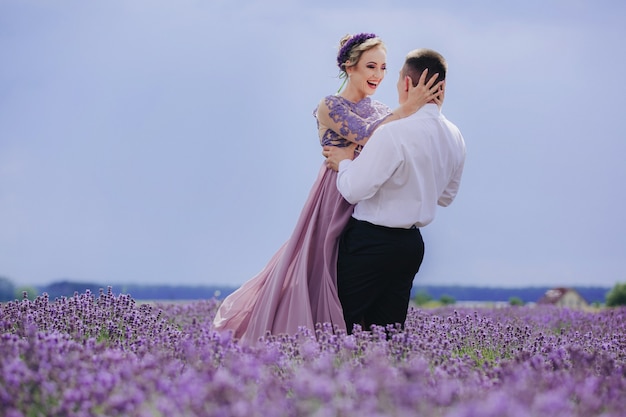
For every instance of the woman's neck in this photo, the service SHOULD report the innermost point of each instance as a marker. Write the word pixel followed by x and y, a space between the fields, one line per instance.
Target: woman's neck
pixel 352 95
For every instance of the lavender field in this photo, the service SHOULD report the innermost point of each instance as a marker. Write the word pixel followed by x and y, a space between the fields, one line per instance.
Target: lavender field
pixel 107 355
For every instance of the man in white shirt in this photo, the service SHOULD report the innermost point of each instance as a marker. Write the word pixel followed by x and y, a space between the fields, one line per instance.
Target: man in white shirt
pixel 408 167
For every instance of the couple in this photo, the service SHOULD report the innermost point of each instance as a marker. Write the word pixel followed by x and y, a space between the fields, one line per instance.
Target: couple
pixel 350 264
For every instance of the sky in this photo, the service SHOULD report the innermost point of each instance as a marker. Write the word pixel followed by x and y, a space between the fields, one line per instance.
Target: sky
pixel 173 142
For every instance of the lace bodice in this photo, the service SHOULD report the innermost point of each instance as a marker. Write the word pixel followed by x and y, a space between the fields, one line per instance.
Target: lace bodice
pixel 349 122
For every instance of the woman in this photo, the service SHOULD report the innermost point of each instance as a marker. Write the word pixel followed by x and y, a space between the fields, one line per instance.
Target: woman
pixel 297 288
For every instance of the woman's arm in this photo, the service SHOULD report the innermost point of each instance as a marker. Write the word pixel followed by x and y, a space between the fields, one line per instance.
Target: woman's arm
pixel 333 115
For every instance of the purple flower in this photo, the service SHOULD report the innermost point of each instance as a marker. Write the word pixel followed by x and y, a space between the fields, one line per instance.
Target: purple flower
pixel 112 356
pixel 344 52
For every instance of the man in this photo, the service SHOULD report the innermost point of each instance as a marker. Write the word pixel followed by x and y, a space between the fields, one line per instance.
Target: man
pixel 407 168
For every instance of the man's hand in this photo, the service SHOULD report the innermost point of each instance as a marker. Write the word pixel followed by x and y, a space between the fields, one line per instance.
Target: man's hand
pixel 335 154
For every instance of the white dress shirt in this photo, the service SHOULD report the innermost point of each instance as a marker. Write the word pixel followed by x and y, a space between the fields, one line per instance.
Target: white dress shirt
pixel 407 168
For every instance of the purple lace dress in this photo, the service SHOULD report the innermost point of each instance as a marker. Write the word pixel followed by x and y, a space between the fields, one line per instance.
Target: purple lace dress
pixel 297 288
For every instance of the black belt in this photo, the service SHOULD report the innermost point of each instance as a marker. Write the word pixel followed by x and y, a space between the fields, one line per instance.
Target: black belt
pixel 413 227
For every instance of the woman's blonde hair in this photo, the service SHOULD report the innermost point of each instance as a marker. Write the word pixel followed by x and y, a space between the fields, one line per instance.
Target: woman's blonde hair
pixel 351 47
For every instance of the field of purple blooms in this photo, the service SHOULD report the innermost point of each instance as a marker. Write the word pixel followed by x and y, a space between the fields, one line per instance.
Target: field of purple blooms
pixel 108 355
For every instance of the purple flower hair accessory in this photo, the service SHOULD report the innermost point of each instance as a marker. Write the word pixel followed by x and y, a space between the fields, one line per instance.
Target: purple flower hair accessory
pixel 344 52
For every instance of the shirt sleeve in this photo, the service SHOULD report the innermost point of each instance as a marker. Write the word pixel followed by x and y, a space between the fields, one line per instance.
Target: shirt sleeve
pixel 361 178
pixel 336 116
pixel 451 190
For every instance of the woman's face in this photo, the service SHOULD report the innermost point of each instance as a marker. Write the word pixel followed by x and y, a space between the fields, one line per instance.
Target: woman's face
pixel 368 73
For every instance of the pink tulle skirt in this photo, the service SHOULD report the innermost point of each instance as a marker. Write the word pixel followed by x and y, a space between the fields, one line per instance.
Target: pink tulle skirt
pixel 298 287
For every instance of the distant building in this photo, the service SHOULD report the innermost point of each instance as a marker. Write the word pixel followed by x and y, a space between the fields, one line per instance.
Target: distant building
pixel 563 297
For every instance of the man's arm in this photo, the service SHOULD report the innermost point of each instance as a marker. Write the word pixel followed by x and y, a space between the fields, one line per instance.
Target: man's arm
pixel 360 179
pixel 448 195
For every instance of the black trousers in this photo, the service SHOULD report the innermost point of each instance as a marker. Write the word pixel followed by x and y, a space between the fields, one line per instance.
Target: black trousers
pixel 375 271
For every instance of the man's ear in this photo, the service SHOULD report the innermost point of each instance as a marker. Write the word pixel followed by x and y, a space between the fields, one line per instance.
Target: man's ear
pixel 407 81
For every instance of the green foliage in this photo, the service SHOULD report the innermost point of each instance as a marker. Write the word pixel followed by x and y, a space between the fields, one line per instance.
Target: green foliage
pixel 516 301
pixel 31 292
pixel 447 300
pixel 617 296
pixel 422 298
pixel 480 355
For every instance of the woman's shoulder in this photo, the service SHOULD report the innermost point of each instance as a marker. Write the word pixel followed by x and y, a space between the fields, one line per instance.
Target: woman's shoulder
pixel 330 103
pixel 331 100
pixel 379 105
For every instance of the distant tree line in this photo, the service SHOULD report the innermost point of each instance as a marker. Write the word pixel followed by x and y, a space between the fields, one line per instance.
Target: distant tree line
pixel 67 288
pixel 420 293
pixel 514 296
pixel 7 289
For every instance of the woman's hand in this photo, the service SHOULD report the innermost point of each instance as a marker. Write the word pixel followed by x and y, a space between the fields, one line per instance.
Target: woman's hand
pixel 442 92
pixel 424 92
pixel 334 155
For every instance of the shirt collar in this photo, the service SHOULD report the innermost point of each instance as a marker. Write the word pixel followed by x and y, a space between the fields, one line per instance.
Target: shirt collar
pixel 428 110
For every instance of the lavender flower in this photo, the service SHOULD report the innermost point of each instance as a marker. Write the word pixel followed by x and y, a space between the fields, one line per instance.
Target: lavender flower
pixel 109 355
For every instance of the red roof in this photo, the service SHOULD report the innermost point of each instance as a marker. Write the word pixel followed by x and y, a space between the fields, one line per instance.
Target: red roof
pixel 553 295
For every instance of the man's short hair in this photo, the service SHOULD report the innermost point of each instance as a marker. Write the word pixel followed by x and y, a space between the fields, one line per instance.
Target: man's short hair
pixel 420 59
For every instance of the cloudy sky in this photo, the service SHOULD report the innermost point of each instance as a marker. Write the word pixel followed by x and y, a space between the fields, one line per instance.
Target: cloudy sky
pixel 147 141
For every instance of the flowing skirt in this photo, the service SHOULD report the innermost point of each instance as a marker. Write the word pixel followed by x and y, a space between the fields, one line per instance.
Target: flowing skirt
pixel 298 287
